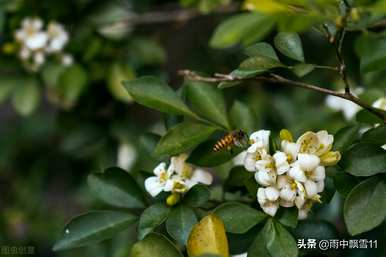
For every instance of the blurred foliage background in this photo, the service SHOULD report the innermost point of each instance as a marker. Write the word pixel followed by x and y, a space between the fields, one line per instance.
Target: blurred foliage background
pixel 58 125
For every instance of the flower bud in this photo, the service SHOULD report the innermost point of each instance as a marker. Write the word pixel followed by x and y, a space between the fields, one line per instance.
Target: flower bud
pixel 173 199
pixel 330 158
pixel 285 134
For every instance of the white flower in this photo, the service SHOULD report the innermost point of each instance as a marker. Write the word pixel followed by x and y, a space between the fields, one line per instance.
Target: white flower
pixel 348 108
pixel 380 103
pixel 57 37
pixel 30 34
pixel 265 178
pixel 308 162
pixel 67 60
pixel 155 185
pixel 259 139
pixel 281 162
pixel 258 151
pixel 126 156
pixel 297 173
pixel 291 149
pixel 268 200
pixel 179 177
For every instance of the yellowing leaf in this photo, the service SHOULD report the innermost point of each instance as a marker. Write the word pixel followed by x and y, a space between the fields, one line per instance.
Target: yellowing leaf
pixel 264 6
pixel 208 237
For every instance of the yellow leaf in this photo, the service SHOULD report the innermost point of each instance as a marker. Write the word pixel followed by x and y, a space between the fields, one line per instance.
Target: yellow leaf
pixel 208 237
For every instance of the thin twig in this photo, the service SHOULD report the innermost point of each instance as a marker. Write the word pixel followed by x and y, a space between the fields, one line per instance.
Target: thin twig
pixel 180 15
pixel 277 79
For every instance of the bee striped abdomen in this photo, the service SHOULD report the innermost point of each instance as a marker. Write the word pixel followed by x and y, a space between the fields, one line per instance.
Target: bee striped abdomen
pixel 224 143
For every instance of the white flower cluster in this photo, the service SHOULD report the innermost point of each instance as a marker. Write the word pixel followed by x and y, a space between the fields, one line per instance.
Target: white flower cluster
pixel 293 176
pixel 178 178
pixel 36 43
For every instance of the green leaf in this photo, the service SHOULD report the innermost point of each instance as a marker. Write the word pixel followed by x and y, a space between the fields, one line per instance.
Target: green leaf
pixel 364 116
pixel 71 84
pixel 242 117
pixel 375 135
pixel 259 246
pixel 156 94
pixel 119 72
pixel 260 63
pixel 302 69
pixel 364 160
pixel 371 50
pixel 6 87
pixel 117 188
pixel 183 137
pixel 180 222
pixel 262 49
pixel 365 206
pixel 238 176
pixel 204 156
pixel 197 196
pixel 51 73
pixel 243 28
pixel 152 217
pixel 93 227
pixel 208 101
pixel 290 45
pixel 344 182
pixel 239 218
pixel 281 243
pixel 26 97
pixel 288 217
pixel 345 137
pixel 155 245
pixel 316 229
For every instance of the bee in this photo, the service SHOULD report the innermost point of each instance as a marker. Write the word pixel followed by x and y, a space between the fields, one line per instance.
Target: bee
pixel 236 137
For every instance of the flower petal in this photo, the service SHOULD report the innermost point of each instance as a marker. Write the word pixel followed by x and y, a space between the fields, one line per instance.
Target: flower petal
pixel 153 186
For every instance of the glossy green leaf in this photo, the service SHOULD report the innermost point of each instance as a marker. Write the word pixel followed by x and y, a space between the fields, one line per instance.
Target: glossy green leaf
pixel 344 182
pixel 316 229
pixel 155 245
pixel 302 69
pixel 117 188
pixel 364 116
pixel 263 49
pixel 345 137
pixel 156 94
pixel 197 196
pixel 375 135
pixel 238 218
pixel 281 243
pixel 259 246
pixel 152 217
pixel 204 156
pixel 238 176
pixel 365 206
pixel 288 217
pixel 242 117
pixel 26 96
pixel 93 227
pixel 183 137
pixel 208 101
pixel 118 73
pixel 260 63
pixel 364 160
pixel 243 28
pixel 290 45
pixel 180 222
pixel 71 84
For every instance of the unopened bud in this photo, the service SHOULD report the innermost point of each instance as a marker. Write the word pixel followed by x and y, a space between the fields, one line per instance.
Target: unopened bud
pixel 173 199
pixel 285 134
pixel 330 158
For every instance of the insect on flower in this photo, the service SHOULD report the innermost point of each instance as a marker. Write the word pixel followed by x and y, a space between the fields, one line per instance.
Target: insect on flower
pixel 236 137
